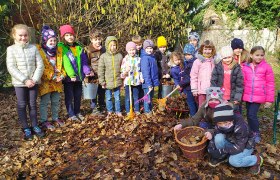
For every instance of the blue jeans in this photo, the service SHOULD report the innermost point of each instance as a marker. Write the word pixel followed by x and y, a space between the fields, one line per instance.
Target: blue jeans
pixel 109 102
pixel 100 98
pixel 191 102
pixel 252 116
pixel 135 96
pixel 148 106
pixel 242 159
pixel 73 90
pixel 54 97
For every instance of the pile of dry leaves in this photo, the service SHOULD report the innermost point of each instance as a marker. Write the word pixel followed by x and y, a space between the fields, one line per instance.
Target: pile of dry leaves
pixel 100 148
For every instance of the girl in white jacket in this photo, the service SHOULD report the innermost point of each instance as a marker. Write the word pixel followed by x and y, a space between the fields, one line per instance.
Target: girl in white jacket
pixel 26 67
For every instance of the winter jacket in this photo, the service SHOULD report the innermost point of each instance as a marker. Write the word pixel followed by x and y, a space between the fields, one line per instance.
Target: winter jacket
pixel 134 75
pixel 109 67
pixel 240 138
pixel 24 62
pixel 201 74
pixel 78 67
pixel 162 62
pixel 180 77
pixel 48 80
pixel 93 56
pixel 236 80
pixel 149 70
pixel 259 83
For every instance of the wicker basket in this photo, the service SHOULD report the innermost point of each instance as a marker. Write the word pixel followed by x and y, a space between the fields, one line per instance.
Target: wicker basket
pixel 195 151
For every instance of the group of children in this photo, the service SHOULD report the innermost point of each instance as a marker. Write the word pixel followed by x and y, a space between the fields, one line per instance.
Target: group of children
pixel 45 69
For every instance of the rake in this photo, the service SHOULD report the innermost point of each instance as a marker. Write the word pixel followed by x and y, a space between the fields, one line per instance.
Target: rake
pixel 162 102
pixel 144 98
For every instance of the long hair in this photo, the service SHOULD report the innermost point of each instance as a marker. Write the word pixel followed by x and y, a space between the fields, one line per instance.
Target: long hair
pixel 253 50
pixel 207 44
pixel 179 55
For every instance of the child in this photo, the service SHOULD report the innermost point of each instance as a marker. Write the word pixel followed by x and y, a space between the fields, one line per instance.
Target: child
pixel 150 74
pixel 259 87
pixel 227 74
pixel 26 67
pixel 232 139
pixel 138 41
pixel 51 86
pixel 240 54
pixel 132 76
pixel 189 58
pixel 194 40
pixel 201 71
pixel 75 64
pixel 94 51
pixel 109 74
pixel 162 62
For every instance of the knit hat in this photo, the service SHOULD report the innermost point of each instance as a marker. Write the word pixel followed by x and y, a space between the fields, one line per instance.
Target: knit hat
pixel 222 113
pixel 66 29
pixel 237 43
pixel 189 49
pixel 193 35
pixel 161 41
pixel 47 33
pixel 226 51
pixel 148 43
pixel 214 93
pixel 130 45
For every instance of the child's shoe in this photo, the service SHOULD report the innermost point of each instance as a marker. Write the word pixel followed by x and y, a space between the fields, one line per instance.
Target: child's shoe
pixel 216 162
pixel 48 125
pixel 96 112
pixel 108 115
pixel 80 117
pixel 59 122
pixel 257 167
pixel 38 131
pixel 74 118
pixel 119 114
pixel 27 134
pixel 149 115
pixel 137 113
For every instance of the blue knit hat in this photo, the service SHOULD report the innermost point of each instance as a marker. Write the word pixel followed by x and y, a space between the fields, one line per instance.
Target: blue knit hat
pixel 193 35
pixel 189 49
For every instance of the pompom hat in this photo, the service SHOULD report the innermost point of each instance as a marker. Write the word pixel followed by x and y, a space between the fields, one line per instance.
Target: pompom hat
pixel 47 33
pixel 148 43
pixel 130 45
pixel 226 51
pixel 66 29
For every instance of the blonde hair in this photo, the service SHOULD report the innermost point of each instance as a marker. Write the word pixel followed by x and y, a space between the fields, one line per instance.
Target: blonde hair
pixel 19 26
pixel 179 55
pixel 137 39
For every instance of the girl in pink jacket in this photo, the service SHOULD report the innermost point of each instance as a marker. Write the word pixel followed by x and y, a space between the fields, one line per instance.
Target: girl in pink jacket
pixel 258 87
pixel 201 71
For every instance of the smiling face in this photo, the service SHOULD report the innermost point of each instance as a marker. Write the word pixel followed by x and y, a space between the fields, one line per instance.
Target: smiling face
pixel 21 36
pixel 132 52
pixel 176 60
pixel 96 42
pixel 257 56
pixel 227 60
pixel 207 51
pixel 113 46
pixel 149 50
pixel 51 42
pixel 237 51
pixel 162 49
pixel 69 38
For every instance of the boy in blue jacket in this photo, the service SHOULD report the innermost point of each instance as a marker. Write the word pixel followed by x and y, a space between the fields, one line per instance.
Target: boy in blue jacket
pixel 150 74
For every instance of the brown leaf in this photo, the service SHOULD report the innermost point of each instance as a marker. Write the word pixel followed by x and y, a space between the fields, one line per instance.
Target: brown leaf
pixel 147 148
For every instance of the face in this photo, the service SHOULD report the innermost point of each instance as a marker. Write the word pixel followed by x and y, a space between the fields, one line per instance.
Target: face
pixel 176 60
pixel 113 46
pixel 225 124
pixel 194 42
pixel 149 50
pixel 69 38
pixel 188 56
pixel 162 49
pixel 207 51
pixel 51 42
pixel 237 51
pixel 132 52
pixel 257 56
pixel 227 60
pixel 138 46
pixel 96 42
pixel 21 36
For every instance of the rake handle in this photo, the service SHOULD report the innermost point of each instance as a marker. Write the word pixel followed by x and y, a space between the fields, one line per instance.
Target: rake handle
pixel 171 92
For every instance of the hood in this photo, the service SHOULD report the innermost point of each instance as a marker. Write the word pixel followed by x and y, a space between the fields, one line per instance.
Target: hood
pixel 108 40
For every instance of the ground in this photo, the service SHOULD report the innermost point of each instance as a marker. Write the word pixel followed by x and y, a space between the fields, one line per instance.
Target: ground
pixel 114 148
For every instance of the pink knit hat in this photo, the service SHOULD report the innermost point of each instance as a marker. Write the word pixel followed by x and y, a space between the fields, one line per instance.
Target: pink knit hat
pixel 130 45
pixel 66 29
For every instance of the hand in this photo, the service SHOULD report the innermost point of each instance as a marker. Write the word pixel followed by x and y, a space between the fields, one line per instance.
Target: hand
pixel 178 127
pixel 73 79
pixel 163 76
pixel 194 93
pixel 127 68
pixel 142 81
pixel 208 135
pixel 29 83
pixel 267 105
pixel 104 86
pixel 167 76
pixel 235 102
pixel 178 87
pixel 58 78
pixel 90 74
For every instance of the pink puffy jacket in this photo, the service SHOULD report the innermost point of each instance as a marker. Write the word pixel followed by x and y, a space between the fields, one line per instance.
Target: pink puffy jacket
pixel 259 83
pixel 201 74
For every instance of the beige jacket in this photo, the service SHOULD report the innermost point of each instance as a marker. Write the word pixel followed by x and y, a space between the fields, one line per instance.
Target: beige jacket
pixel 23 63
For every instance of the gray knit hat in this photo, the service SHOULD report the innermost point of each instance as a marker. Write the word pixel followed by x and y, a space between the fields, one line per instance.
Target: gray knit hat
pixel 148 43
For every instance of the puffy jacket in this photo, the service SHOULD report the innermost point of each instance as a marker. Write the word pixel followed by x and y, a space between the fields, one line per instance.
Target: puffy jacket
pixel 259 83
pixel 180 77
pixel 23 63
pixel 93 56
pixel 149 70
pixel 109 67
pixel 201 74
pixel 134 75
pixel 236 80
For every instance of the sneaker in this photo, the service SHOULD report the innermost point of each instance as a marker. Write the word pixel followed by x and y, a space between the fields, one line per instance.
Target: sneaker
pixel 95 111
pixel 108 115
pixel 149 115
pixel 257 167
pixel 74 118
pixel 119 114
pixel 80 116
pixel 59 122
pixel 216 162
pixel 48 125
pixel 278 116
pixel 257 137
pixel 137 113
pixel 38 131
pixel 27 134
